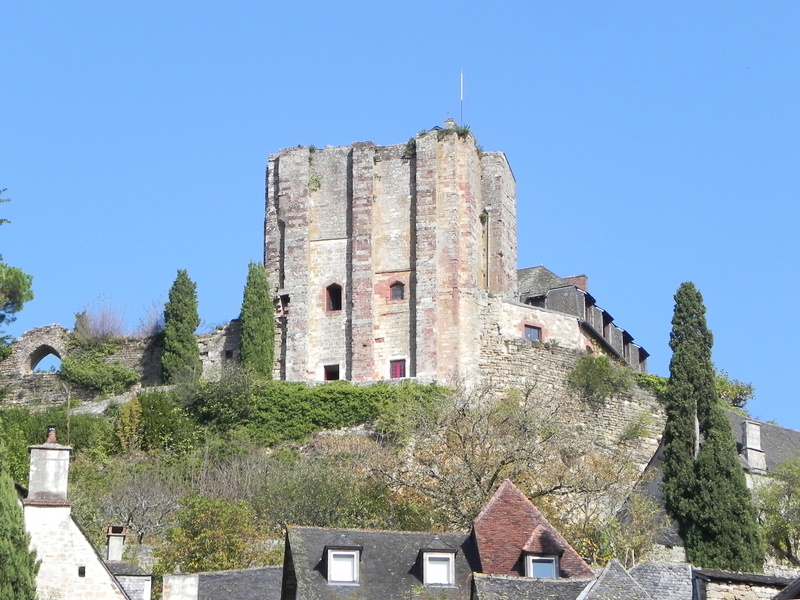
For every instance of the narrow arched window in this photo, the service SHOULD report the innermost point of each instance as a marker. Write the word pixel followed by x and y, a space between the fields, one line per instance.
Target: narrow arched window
pixel 333 297
pixel 397 291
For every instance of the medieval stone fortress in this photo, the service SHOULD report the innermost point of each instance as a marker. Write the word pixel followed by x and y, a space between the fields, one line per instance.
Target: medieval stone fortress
pixel 401 261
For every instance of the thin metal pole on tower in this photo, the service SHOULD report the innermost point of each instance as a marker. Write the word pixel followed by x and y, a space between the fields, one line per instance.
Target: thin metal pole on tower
pixel 462 98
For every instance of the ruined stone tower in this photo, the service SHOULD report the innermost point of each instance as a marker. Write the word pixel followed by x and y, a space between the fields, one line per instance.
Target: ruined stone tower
pixel 381 255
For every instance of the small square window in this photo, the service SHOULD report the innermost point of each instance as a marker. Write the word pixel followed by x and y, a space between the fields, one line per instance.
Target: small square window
pixel 343 566
pixel 397 291
pixel 331 372
pixel 534 334
pixel 438 568
pixel 397 369
pixel 545 567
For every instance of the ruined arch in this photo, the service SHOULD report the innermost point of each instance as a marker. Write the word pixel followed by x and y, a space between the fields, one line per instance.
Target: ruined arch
pixel 28 350
pixel 39 354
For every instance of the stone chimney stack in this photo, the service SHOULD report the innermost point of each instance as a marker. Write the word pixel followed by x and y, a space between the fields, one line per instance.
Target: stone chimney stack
pixel 751 446
pixel 49 470
pixel 116 542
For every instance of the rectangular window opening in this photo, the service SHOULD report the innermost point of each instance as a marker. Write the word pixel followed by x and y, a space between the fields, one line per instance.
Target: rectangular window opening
pixel 331 372
pixel 545 567
pixel 534 334
pixel 397 369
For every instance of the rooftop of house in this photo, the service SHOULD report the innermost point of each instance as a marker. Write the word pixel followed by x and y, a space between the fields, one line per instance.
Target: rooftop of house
pixel 263 583
pixel 537 281
pixel 502 548
pixel 390 562
pixel 503 587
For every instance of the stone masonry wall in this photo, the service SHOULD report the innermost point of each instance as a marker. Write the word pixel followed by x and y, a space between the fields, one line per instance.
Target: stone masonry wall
pixel 140 355
pixel 740 591
pixel 511 362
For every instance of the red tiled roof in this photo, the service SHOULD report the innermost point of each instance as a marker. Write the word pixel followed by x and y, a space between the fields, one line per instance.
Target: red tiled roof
pixel 509 526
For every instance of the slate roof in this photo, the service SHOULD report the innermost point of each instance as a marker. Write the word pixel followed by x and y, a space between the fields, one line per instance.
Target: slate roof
pixel 615 583
pixel 778 443
pixel 502 587
pixel 390 563
pixel 537 281
pixel 263 583
pixel 664 580
pixel 121 567
pixel 736 577
pixel 790 592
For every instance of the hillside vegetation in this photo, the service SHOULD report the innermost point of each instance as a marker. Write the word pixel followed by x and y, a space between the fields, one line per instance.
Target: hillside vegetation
pixel 244 456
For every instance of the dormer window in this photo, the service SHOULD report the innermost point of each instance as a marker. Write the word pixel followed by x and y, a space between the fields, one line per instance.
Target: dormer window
pixel 438 562
pixel 343 560
pixel 343 566
pixel 438 568
pixel 545 567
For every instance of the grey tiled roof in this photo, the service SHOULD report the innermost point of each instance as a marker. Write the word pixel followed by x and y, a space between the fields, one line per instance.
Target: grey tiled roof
pixel 736 577
pixel 501 587
pixel 389 567
pixel 790 592
pixel 263 583
pixel 121 567
pixel 536 281
pixel 615 583
pixel 664 580
pixel 778 443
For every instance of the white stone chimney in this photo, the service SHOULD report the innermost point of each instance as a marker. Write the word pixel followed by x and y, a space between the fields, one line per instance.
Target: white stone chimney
pixel 751 446
pixel 49 470
pixel 116 542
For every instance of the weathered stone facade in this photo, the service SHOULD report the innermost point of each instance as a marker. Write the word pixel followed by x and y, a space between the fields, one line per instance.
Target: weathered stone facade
pixel 400 261
pixel 143 356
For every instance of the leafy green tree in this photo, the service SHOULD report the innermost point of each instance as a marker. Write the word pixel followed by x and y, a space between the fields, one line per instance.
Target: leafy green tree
pixel 18 565
pixel 257 323
pixel 704 485
pixel 596 379
pixel 212 535
pixel 181 359
pixel 779 503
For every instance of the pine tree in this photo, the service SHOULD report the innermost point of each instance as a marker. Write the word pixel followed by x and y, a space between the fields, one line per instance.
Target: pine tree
pixel 257 323
pixel 704 485
pixel 181 358
pixel 18 565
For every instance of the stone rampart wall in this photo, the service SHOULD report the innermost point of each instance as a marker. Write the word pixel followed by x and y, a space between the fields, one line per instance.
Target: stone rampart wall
pixel 541 368
pixel 140 355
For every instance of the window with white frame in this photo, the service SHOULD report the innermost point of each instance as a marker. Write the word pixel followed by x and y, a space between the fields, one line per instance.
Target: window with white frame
pixel 541 566
pixel 343 566
pixel 438 568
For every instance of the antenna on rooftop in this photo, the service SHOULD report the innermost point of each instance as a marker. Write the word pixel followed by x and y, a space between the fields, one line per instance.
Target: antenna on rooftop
pixel 461 122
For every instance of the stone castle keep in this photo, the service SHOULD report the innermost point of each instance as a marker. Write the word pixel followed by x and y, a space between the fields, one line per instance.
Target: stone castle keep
pixel 388 262
pixel 401 261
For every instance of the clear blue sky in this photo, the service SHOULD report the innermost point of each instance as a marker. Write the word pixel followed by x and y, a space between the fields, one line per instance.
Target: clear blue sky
pixel 652 143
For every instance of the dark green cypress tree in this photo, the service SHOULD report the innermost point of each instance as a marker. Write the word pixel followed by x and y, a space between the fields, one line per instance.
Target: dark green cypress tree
pixel 18 565
pixel 181 359
pixel 704 485
pixel 257 323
